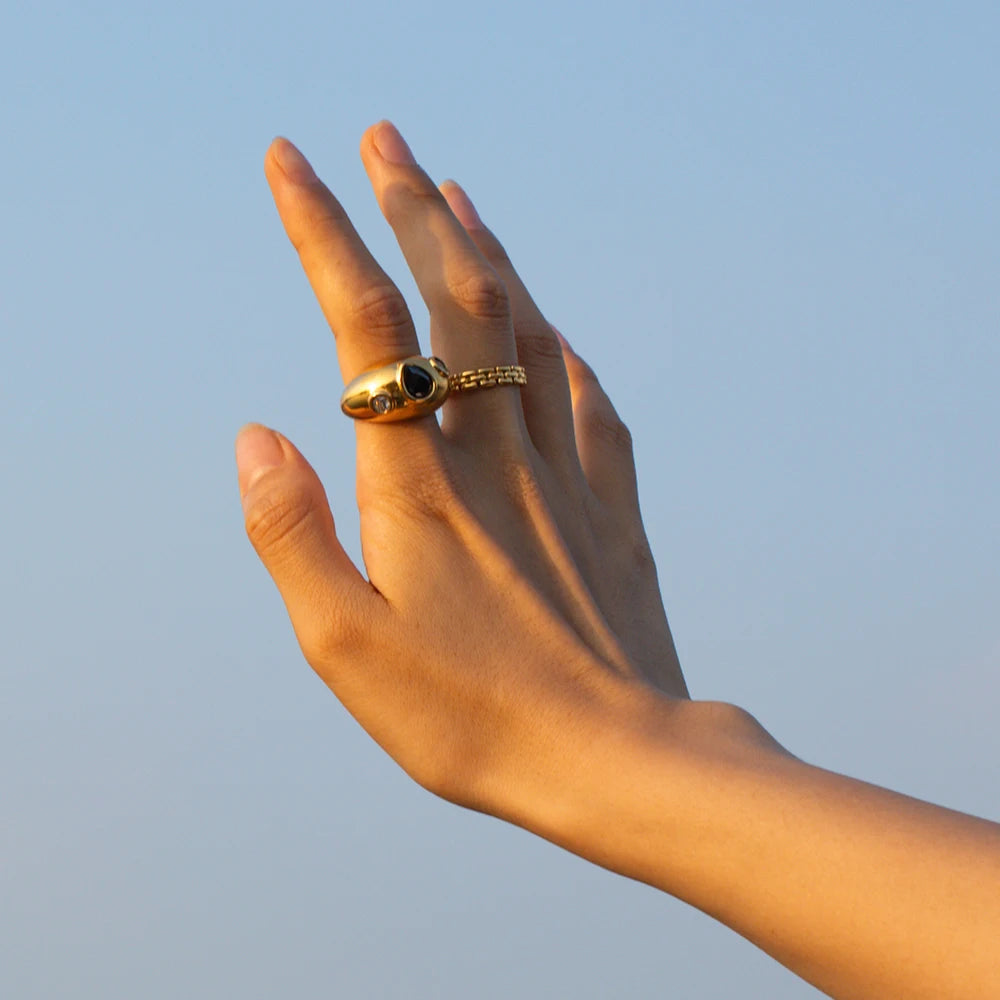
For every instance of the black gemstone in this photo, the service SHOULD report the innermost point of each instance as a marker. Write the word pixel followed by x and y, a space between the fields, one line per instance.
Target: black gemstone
pixel 417 384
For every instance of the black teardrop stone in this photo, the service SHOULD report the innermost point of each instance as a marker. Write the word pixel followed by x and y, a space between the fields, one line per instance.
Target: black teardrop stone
pixel 417 384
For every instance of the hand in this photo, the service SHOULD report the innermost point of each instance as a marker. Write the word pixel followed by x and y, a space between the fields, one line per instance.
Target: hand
pixel 509 648
pixel 511 600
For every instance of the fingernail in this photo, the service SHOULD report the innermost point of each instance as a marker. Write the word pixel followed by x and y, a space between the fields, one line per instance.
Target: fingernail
pixel 392 146
pixel 293 164
pixel 461 205
pixel 258 450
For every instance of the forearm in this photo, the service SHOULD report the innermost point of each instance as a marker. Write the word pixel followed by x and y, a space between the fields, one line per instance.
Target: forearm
pixel 861 891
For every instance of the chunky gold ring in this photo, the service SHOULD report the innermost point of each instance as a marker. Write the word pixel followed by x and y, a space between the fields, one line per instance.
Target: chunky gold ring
pixel 416 386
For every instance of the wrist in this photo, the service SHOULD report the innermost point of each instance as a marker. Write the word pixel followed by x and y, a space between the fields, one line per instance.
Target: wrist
pixel 634 771
pixel 861 891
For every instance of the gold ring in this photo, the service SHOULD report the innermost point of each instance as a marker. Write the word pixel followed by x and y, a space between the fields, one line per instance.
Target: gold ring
pixel 416 386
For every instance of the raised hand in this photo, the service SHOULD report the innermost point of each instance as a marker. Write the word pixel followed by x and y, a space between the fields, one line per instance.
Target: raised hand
pixel 510 591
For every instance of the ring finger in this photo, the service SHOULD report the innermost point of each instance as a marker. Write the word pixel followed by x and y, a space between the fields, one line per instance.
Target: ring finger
pixel 546 398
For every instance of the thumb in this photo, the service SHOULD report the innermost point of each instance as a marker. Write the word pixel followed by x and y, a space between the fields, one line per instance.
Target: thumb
pixel 289 523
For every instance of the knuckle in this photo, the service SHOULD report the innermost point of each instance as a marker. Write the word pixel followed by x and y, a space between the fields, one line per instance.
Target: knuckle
pixel 381 312
pixel 640 554
pixel 520 483
pixel 442 502
pixel 586 374
pixel 430 500
pixel 603 424
pixel 520 480
pixel 435 497
pixel 326 640
pixel 538 348
pixel 277 519
pixel 313 236
pixel 482 294
pixel 417 194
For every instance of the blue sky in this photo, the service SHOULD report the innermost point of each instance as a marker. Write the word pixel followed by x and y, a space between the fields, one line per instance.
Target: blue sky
pixel 772 228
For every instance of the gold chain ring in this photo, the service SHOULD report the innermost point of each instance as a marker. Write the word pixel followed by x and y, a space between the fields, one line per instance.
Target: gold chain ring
pixel 485 378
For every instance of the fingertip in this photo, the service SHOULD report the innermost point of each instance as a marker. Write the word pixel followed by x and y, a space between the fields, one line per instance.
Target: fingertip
pixel 270 156
pixel 288 158
pixel 272 170
pixel 390 144
pixel 383 151
pixel 258 451
pixel 367 144
pixel 461 205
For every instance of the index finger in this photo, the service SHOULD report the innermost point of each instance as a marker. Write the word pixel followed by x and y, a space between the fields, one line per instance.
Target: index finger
pixel 365 310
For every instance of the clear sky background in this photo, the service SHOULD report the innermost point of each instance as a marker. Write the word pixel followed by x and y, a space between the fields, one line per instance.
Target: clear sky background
pixel 773 228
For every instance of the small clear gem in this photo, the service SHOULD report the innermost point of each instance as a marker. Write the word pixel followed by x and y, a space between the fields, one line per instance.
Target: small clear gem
pixel 417 383
pixel 380 403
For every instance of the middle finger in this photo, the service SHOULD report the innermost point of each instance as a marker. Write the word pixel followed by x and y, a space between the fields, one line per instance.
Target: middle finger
pixel 471 325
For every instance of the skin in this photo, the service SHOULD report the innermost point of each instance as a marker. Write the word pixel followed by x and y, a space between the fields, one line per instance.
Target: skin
pixel 558 702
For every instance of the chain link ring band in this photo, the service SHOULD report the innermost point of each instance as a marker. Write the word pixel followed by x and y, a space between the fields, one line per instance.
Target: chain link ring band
pixel 486 378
